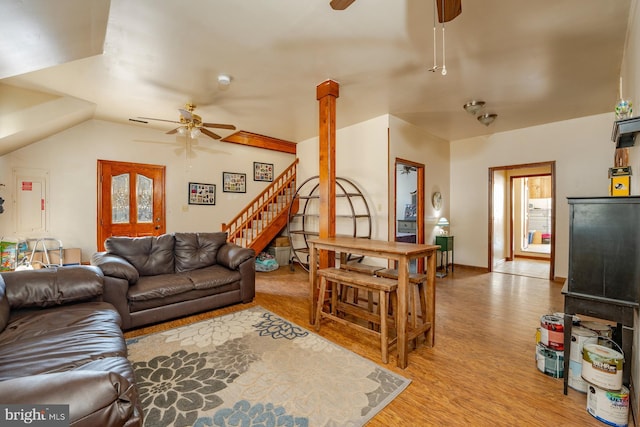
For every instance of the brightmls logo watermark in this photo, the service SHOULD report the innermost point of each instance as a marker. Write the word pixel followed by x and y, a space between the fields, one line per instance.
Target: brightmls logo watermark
pixel 34 415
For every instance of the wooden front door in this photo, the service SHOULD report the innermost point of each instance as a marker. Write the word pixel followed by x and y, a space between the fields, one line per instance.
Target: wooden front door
pixel 130 200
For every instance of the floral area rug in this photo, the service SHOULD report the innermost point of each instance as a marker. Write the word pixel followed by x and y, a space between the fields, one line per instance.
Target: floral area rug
pixel 253 368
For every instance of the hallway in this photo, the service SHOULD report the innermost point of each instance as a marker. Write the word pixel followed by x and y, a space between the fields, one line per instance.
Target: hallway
pixel 538 268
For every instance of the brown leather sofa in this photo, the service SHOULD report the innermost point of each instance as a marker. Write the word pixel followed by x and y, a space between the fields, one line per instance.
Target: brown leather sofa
pixel 156 278
pixel 59 344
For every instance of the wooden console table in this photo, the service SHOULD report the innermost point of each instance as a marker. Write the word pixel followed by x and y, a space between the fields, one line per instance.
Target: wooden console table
pixel 400 252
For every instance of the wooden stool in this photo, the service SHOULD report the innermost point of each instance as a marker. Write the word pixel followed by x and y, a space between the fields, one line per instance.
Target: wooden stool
pixel 419 284
pixel 386 289
pixel 359 267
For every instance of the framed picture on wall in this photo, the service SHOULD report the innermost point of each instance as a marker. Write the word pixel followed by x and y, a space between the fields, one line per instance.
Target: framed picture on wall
pixel 202 194
pixel 233 182
pixel 262 171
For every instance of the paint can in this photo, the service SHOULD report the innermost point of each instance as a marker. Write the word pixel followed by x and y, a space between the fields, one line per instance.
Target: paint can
pixel 602 366
pixel 552 331
pixel 610 407
pixel 579 337
pixel 550 361
pixel 602 329
pixel 576 381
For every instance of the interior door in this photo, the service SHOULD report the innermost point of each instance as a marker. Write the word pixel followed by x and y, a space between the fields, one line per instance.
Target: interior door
pixel 409 202
pixel 130 200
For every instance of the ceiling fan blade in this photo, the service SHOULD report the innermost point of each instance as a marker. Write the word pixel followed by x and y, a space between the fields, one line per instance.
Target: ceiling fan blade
pixel 219 125
pixel 172 131
pixel 186 114
pixel 159 120
pixel 452 8
pixel 209 133
pixel 340 4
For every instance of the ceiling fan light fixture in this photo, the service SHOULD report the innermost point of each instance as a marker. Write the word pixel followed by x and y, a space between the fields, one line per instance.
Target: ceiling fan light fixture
pixel 487 118
pixel 195 132
pixel 473 106
pixel 182 130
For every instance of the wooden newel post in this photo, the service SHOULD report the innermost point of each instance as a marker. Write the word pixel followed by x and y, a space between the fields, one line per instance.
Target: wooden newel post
pixel 326 93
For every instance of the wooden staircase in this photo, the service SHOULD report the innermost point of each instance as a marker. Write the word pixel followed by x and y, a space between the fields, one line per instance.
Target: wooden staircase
pixel 266 215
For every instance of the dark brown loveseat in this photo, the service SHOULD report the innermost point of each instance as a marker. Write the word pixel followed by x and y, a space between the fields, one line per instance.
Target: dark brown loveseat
pixel 59 345
pixel 157 278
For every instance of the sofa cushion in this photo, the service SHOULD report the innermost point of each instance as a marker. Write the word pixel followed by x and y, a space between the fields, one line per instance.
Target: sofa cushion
pixel 60 339
pixel 150 255
pixel 158 287
pixel 4 306
pixel 212 277
pixel 197 250
pixel 53 286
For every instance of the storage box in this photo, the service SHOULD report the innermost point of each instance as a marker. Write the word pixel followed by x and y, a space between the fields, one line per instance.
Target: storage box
pixel 8 255
pixel 620 181
pixel 71 256
pixel 281 254
pixel 281 241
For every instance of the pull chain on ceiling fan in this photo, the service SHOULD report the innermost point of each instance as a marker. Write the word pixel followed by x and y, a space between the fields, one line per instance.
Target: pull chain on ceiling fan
pixel 442 17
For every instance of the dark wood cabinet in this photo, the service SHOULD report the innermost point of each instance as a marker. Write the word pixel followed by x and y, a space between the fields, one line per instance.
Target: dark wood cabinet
pixel 604 268
pixel 604 247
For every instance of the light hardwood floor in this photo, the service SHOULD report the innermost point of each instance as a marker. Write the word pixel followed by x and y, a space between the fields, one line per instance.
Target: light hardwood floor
pixel 482 369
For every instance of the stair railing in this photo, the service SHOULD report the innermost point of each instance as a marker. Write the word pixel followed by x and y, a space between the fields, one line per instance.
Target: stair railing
pixel 255 217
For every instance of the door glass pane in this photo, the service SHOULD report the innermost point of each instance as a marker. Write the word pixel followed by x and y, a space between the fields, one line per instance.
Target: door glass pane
pixel 144 190
pixel 120 199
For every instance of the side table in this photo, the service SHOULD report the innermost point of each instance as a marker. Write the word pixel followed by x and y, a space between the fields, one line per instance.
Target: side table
pixel 446 244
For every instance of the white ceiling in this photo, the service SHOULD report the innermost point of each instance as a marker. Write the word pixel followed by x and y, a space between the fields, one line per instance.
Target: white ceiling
pixel 533 62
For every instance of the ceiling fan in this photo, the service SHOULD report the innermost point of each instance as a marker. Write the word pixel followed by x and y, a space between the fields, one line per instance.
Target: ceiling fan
pixel 191 124
pixel 447 9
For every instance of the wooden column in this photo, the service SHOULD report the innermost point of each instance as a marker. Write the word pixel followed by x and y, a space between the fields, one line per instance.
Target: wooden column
pixel 326 93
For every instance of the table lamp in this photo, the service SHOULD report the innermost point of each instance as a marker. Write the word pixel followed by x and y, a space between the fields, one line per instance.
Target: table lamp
pixel 443 222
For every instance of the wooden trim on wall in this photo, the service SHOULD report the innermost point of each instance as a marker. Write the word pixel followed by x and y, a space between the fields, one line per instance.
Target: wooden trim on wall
pixel 261 141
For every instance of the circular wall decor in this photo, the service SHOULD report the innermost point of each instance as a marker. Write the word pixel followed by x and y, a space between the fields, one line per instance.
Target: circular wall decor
pixel 436 200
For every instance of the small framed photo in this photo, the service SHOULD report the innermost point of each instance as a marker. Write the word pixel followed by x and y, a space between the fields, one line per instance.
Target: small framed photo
pixel 262 171
pixel 233 182
pixel 202 194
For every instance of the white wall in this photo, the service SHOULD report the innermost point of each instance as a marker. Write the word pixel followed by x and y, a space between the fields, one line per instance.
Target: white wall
pixel 582 150
pixel 361 157
pixel 412 143
pixel 71 159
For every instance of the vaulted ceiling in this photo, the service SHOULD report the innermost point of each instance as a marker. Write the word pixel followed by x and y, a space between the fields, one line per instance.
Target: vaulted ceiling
pixel 532 62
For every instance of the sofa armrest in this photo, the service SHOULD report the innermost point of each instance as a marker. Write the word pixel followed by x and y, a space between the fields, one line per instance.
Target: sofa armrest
pixel 115 266
pixel 53 286
pixel 231 255
pixel 95 398
pixel 116 293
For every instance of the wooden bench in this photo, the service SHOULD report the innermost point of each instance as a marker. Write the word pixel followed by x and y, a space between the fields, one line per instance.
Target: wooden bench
pixel 386 289
pixel 360 267
pixel 417 282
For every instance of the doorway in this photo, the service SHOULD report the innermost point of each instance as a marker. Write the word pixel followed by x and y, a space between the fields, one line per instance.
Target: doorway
pixel 408 215
pixel 130 200
pixel 522 220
